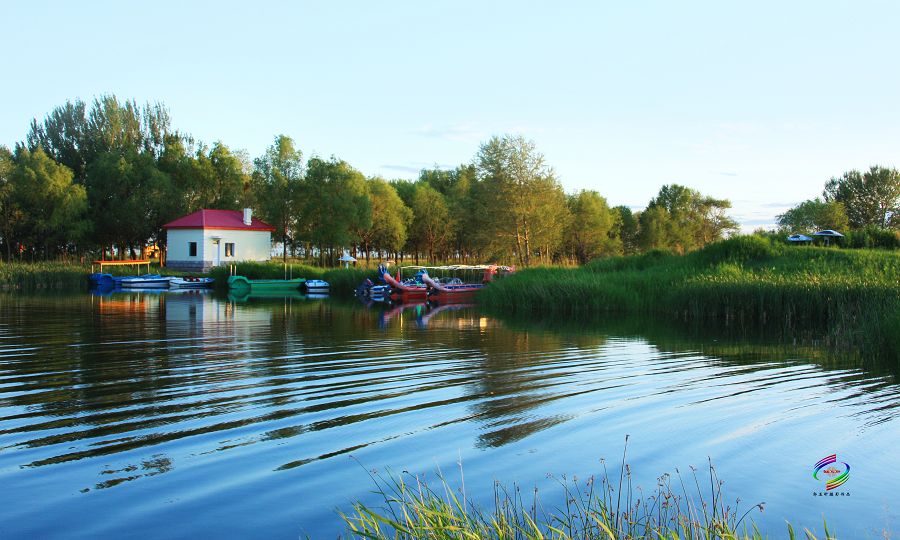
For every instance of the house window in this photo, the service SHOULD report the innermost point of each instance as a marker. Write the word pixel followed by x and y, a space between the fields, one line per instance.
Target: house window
pixel 229 249
pixel 192 249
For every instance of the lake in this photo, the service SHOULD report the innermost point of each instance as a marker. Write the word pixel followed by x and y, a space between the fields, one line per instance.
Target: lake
pixel 180 415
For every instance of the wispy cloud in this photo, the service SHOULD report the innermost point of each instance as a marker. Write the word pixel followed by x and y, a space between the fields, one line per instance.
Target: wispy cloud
pixel 414 167
pixel 461 132
pixel 725 173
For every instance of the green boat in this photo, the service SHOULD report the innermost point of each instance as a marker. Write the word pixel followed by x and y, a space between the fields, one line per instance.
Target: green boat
pixel 240 283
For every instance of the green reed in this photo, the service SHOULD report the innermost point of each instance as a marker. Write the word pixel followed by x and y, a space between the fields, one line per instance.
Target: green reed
pixel 850 297
pixel 607 507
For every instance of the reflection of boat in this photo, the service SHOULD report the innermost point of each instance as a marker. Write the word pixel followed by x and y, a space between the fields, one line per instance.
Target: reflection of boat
pixel 190 282
pixel 316 286
pixel 240 283
pixel 245 295
pixel 147 281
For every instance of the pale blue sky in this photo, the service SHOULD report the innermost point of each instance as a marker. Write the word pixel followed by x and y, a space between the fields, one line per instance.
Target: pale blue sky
pixel 759 102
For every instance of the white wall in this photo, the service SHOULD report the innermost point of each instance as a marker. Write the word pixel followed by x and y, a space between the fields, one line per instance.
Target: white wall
pixel 248 245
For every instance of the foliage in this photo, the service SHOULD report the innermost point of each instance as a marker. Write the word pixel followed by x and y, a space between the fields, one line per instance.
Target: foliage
pixel 337 204
pixel 589 232
pixel 278 182
pixel 390 219
pixel 814 215
pixel 845 296
pixel 681 219
pixel 871 198
pixel 47 207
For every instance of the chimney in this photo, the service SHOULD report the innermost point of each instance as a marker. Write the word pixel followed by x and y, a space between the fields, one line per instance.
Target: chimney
pixel 248 216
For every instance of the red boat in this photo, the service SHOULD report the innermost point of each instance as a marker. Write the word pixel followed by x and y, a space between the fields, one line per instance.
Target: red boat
pixel 405 291
pixel 454 290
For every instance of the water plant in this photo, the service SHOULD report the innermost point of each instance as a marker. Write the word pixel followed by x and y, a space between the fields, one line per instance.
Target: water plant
pixel 847 298
pixel 608 507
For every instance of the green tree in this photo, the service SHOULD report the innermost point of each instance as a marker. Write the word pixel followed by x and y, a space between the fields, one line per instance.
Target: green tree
pixel 390 219
pixel 337 206
pixel 9 212
pixel 588 234
pixel 870 198
pixel 277 183
pixel 52 207
pixel 814 215
pixel 518 202
pixel 626 229
pixel 692 220
pixel 428 230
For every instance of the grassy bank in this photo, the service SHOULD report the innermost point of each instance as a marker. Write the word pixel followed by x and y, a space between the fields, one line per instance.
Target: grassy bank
pixel 849 298
pixel 608 507
pixel 343 281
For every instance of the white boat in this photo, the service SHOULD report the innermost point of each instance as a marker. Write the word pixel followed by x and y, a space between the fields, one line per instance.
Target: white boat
pixel 316 286
pixel 190 282
pixel 147 281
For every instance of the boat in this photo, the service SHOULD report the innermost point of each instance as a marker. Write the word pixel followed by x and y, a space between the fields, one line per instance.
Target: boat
pixel 102 280
pixel 407 289
pixel 239 283
pixel 190 282
pixel 453 289
pixel 147 281
pixel 316 286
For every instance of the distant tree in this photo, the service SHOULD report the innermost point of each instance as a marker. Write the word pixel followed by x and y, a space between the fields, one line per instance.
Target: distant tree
pixel 337 204
pixel 814 215
pixel 692 220
pixel 390 219
pixel 626 229
pixel 870 198
pixel 588 234
pixel 9 212
pixel 52 207
pixel 278 187
pixel 518 200
pixel 428 230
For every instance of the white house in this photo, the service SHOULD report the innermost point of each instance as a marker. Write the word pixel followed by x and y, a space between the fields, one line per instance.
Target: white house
pixel 210 238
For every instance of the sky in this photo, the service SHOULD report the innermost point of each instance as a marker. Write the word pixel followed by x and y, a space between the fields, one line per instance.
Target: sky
pixel 756 102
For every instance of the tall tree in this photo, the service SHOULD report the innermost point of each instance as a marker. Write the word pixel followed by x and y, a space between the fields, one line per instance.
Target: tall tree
pixel 278 187
pixel 338 204
pixel 870 198
pixel 429 230
pixel 692 220
pixel 626 229
pixel 9 212
pixel 518 198
pixel 814 215
pixel 588 234
pixel 390 219
pixel 52 206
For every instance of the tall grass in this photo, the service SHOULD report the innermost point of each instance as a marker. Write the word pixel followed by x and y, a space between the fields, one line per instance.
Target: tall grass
pixel 683 507
pixel 850 298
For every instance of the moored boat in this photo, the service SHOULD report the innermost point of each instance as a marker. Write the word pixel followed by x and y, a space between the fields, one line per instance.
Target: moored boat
pixel 147 281
pixel 316 286
pixel 190 282
pixel 256 285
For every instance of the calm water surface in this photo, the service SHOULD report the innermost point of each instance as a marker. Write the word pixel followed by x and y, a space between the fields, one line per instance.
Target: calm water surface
pixel 185 415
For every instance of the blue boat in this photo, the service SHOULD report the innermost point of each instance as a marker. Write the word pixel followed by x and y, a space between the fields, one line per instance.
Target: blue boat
pixel 102 280
pixel 147 281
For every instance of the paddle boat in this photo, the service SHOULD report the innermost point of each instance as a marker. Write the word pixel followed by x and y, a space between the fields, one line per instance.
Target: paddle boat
pixel 190 282
pixel 102 280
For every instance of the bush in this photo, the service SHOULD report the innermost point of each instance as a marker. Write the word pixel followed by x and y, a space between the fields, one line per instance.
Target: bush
pixel 740 249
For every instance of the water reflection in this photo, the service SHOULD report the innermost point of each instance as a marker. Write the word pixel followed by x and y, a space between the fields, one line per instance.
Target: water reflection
pixel 109 391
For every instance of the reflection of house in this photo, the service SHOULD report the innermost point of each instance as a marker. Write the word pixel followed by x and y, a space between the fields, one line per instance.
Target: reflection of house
pixel 210 238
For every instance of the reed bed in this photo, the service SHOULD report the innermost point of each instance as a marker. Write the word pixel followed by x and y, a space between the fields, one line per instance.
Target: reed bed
pixel 609 507
pixel 849 297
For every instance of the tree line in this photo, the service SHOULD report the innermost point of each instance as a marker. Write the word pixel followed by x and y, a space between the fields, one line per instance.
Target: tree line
pixel 105 177
pixel 864 205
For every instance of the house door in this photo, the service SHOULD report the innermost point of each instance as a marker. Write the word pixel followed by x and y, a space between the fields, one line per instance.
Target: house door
pixel 217 258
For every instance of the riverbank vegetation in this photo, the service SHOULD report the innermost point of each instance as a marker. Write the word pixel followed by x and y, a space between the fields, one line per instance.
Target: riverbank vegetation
pixel 104 177
pixel 851 298
pixel 607 507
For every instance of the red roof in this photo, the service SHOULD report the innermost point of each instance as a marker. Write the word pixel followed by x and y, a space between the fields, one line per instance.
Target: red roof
pixel 218 219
